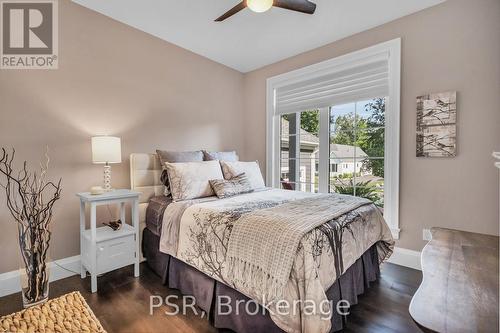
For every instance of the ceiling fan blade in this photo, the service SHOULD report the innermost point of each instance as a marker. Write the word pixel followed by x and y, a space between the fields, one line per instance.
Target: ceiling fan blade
pixel 232 11
pixel 303 6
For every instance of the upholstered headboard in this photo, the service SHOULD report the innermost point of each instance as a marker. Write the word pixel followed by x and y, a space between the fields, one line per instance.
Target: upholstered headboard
pixel 145 172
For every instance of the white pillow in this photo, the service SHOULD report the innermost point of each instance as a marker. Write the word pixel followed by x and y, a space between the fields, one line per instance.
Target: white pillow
pixel 251 169
pixel 190 180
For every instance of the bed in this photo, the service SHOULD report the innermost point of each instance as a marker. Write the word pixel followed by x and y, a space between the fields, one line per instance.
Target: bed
pixel 242 249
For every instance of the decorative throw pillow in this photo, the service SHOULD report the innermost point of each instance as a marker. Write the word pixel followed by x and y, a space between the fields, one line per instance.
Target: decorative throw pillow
pixel 250 169
pixel 190 180
pixel 230 156
pixel 225 188
pixel 175 157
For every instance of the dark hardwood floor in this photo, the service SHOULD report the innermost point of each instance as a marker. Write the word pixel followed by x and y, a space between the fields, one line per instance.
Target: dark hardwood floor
pixel 122 303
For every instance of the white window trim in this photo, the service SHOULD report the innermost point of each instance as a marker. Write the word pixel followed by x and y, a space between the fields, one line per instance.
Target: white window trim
pixel 392 49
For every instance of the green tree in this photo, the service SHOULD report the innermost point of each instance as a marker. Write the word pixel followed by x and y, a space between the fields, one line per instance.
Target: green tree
pixel 309 121
pixel 346 130
pixel 374 142
pixel 366 133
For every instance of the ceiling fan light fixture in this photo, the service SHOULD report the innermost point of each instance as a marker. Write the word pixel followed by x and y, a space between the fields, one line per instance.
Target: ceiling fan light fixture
pixel 259 6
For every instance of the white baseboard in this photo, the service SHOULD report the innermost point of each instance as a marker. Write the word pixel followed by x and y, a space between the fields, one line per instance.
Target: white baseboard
pixel 10 282
pixel 406 257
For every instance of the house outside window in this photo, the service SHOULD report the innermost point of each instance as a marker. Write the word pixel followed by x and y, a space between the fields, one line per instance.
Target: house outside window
pixel 356 151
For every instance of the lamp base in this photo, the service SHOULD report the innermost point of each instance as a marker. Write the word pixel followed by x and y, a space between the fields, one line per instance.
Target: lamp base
pixel 107 178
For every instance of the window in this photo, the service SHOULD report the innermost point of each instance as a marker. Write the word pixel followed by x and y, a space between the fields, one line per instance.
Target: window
pixel 357 139
pixel 334 127
pixel 299 147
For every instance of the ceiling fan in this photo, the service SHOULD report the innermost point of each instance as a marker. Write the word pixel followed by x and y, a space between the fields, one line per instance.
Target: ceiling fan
pixel 259 6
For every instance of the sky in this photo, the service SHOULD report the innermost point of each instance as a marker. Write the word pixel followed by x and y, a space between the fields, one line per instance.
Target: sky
pixel 341 110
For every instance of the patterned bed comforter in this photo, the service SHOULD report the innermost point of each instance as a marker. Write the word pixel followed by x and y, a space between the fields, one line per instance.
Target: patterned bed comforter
pixel 198 232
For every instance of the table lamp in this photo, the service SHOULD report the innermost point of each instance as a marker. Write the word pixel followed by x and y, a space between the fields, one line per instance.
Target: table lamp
pixel 106 150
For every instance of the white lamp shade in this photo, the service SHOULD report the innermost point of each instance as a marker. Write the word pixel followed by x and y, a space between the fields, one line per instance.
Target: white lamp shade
pixel 106 149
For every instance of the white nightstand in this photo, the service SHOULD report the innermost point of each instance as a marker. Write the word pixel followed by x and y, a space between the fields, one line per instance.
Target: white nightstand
pixel 102 249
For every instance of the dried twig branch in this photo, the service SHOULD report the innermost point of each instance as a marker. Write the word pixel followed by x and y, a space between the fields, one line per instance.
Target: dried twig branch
pixel 25 195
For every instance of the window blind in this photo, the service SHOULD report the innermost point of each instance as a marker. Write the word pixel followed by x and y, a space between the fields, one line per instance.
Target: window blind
pixel 344 86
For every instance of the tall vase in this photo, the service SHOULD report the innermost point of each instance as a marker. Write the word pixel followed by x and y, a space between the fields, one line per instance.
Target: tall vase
pixel 34 271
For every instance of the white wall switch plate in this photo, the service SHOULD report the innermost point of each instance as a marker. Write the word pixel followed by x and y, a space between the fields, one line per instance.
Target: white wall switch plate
pixel 427 236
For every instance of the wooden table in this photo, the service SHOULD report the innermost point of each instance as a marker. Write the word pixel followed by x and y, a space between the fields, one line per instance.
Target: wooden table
pixel 459 290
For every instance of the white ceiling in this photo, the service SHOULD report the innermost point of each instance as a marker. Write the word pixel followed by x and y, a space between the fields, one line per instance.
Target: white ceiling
pixel 248 40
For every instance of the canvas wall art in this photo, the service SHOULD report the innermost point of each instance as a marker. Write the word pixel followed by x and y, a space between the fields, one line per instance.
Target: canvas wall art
pixel 437 125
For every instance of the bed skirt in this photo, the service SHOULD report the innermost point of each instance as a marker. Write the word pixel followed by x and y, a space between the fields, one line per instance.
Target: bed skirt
pixel 189 281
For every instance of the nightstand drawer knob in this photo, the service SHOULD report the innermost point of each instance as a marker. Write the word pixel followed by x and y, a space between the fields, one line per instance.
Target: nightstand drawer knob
pixel 101 248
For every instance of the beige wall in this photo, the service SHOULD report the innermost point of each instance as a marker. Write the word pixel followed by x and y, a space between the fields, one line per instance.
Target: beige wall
pixel 453 46
pixel 112 79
